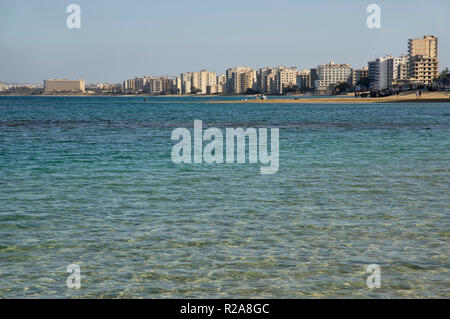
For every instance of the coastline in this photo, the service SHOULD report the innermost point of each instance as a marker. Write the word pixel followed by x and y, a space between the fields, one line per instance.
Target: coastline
pixel 407 97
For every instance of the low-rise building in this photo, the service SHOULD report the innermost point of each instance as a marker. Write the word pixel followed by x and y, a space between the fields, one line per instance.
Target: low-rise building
pixel 64 85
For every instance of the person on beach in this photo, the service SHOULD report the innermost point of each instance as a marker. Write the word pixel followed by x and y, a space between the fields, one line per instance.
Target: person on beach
pixel 417 94
pixel 420 94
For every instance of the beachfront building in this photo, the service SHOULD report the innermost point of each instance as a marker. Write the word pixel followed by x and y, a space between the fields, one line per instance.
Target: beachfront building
pixel 214 89
pixel 240 80
pixel 64 85
pixel 401 66
pixel 222 82
pixel 139 84
pixel 381 73
pixel 201 80
pixel 304 79
pixel 275 80
pixel 328 75
pixel 360 78
pixel 158 85
pixel 184 83
pixel 423 59
pixel 109 88
pixel 128 86
pixel 266 82
pixel 286 78
pixel 314 77
pixel 195 82
pixel 1 86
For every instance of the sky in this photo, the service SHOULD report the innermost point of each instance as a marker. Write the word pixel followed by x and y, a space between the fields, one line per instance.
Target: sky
pixel 123 39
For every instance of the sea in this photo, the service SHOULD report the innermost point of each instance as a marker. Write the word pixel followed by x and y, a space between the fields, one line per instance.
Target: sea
pixel 89 181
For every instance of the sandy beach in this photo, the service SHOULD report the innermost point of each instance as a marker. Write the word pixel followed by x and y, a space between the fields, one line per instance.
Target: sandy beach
pixel 427 97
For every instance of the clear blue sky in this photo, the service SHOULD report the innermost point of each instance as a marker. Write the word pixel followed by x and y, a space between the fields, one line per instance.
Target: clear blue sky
pixel 123 39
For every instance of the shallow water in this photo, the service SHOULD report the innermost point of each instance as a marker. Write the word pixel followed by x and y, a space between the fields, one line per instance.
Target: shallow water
pixel 90 181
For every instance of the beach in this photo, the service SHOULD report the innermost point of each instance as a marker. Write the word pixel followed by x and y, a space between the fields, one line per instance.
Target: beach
pixel 407 97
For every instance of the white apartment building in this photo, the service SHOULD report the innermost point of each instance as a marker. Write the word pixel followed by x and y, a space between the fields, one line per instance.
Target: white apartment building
pixel 400 66
pixel 331 74
pixel 199 81
pixel 381 73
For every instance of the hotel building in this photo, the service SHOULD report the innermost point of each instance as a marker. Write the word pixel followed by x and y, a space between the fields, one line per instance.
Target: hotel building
pixel 331 74
pixel 64 85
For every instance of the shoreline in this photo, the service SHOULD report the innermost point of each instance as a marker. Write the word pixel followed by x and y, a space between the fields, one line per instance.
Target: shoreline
pixel 407 97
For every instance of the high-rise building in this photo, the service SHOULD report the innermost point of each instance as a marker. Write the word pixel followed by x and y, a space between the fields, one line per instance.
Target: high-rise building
pixel 129 86
pixel 360 77
pixel 426 46
pixel 381 73
pixel 240 79
pixel 266 81
pixel 304 79
pixel 286 77
pixel 314 77
pixel 331 74
pixel 158 85
pixel 423 59
pixel 274 80
pixel 401 65
pixel 187 82
pixel 64 85
pixel 201 80
pixel 139 84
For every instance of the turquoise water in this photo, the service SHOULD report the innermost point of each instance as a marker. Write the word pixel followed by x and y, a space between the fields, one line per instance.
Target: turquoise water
pixel 90 181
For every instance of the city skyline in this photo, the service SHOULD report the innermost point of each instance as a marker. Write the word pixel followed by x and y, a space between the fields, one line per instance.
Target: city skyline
pixel 124 42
